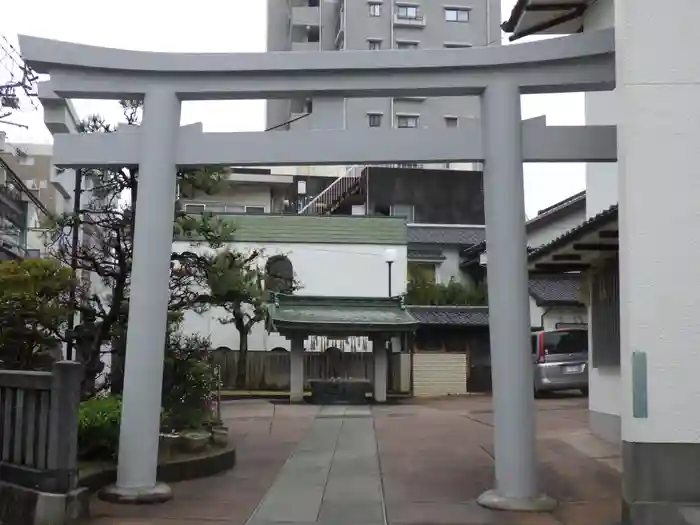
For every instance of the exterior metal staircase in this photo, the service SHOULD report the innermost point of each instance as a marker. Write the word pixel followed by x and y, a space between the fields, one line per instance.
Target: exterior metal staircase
pixel 330 199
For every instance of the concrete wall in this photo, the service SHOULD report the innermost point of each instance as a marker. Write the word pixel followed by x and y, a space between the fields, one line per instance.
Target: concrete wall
pixel 437 196
pixel 349 270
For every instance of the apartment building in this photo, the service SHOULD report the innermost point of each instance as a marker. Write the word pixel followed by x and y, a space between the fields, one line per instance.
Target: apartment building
pixel 361 25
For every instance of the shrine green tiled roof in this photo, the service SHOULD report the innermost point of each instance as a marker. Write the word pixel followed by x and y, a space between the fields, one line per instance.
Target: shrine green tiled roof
pixel 315 229
pixel 347 315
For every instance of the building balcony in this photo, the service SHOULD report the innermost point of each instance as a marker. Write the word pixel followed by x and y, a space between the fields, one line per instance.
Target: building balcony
pixel 306 46
pixel 417 22
pixel 306 16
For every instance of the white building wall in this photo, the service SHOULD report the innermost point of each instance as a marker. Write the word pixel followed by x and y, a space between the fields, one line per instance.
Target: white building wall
pixel 601 109
pixel 546 234
pixel 658 75
pixel 548 317
pixel 341 270
pixel 602 192
pixel 555 316
pixel 239 195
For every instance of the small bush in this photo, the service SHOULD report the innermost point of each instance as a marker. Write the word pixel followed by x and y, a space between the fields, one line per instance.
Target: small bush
pixel 189 383
pixel 98 430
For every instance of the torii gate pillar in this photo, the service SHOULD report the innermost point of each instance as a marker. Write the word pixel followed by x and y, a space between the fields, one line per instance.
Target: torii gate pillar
pixel 148 304
pixel 515 450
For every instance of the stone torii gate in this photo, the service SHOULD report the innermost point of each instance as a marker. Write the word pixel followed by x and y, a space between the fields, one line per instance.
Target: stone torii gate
pixel 499 75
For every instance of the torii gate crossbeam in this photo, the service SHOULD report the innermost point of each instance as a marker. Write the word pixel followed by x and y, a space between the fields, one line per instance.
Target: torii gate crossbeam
pixel 498 74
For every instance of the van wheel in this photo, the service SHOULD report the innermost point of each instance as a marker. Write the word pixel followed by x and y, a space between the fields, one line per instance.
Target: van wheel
pixel 538 394
pixel 584 391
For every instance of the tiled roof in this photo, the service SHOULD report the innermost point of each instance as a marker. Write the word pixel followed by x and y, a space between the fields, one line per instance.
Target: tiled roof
pixel 451 315
pixel 347 315
pixel 591 225
pixel 456 235
pixel 315 229
pixel 554 212
pixel 556 290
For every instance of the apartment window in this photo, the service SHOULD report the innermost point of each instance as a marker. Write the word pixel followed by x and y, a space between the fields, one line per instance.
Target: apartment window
pixel 403 210
pixel 375 120
pixel 452 122
pixel 375 9
pixel 255 210
pixel 407 11
pixel 453 14
pixel 374 45
pixel 407 121
pixel 406 45
pixel 422 272
pixel 456 45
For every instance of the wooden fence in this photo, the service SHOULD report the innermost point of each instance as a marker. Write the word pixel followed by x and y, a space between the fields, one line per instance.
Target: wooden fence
pixel 39 427
pixel 270 370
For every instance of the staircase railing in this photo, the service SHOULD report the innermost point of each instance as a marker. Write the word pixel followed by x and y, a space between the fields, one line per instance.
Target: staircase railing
pixel 337 190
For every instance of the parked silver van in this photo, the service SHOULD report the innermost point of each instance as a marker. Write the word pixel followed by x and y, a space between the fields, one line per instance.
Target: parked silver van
pixel 560 360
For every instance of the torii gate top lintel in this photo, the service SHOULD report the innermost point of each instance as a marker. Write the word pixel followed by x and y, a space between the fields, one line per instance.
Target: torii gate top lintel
pixel 583 62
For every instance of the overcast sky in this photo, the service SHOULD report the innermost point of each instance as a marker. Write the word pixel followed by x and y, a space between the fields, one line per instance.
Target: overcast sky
pixel 230 26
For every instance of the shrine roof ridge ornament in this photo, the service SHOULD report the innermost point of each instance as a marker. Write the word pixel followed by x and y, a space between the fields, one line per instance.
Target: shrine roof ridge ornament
pixel 583 62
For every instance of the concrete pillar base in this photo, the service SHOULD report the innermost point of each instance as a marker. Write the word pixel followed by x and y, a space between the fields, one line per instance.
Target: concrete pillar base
pixel 491 499
pixel 660 483
pixel 159 493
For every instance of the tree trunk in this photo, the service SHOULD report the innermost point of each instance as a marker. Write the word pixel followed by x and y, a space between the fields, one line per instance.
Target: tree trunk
pixel 242 365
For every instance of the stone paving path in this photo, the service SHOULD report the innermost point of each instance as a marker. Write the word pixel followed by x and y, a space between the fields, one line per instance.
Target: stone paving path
pixel 333 477
pixel 417 463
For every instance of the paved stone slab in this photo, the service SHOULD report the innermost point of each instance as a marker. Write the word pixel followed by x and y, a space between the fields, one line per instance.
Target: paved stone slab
pixel 434 462
pixel 297 493
pixel 351 513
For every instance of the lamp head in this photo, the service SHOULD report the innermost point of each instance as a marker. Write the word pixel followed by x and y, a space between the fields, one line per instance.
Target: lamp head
pixel 390 255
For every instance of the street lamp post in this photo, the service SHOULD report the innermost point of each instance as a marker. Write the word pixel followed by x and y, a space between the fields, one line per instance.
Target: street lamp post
pixel 389 258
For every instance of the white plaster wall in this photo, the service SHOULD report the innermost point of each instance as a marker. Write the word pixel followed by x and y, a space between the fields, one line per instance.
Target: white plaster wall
pixel 238 195
pixel 601 109
pixel 562 314
pixel 658 76
pixel 350 270
pixel 602 192
pixel 548 317
pixel 449 268
pixel 546 234
pixel 605 390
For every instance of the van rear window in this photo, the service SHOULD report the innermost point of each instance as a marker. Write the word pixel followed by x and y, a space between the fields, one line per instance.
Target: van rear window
pixel 566 342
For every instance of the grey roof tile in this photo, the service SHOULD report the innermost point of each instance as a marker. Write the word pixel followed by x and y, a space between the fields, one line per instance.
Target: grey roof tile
pixel 556 290
pixel 451 315
pixel 590 225
pixel 458 235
